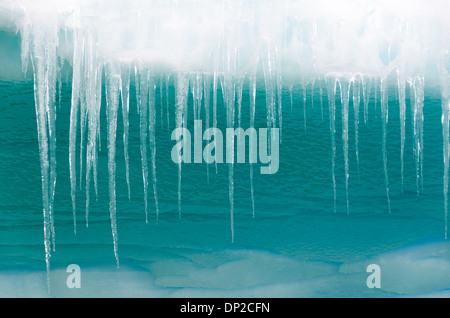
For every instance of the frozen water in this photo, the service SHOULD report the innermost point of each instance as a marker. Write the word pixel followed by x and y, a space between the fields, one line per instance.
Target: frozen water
pixel 357 51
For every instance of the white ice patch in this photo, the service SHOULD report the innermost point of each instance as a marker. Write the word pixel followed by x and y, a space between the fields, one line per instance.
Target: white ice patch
pixel 414 270
pixel 420 270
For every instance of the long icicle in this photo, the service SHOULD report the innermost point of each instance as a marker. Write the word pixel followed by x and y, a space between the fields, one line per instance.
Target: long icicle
pixel 161 100
pixel 356 101
pixel 93 97
pixel 181 101
pixel 43 57
pixel 418 87
pixel 304 104
pixel 291 95
pixel 207 94
pixel 345 91
pixel 142 93
pixel 215 87
pixel 229 89
pixel 239 88
pixel 98 101
pixel 167 79
pixel 125 95
pixel 331 89
pixel 384 122
pixel 112 86
pixel 366 85
pixel 152 136
pixel 76 82
pixel 402 104
pixel 252 90
pixel 279 90
pixel 321 99
pixel 51 80
pixel 444 75
pixel 83 98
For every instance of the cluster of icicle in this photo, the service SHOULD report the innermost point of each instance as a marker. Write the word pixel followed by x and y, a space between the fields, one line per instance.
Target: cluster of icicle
pixel 232 62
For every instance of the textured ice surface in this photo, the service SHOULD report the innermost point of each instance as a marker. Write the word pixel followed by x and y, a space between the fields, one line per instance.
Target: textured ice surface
pixel 414 271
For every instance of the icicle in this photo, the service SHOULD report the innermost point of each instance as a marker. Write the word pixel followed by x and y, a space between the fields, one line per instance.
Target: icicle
pixel 331 89
pixel 98 99
pixel 83 99
pixel 445 100
pixel 418 86
pixel 51 113
pixel 207 94
pixel 59 80
pixel 152 136
pixel 356 99
pixel 181 101
pixel 25 46
pixel 445 134
pixel 304 104
pixel 269 80
pixel 417 96
pixel 345 91
pixel 229 94
pixel 279 93
pixel 366 84
pixel 402 105
pixel 112 86
pixel 44 44
pixel 239 86
pixel 142 94
pixel 167 102
pixel 161 104
pixel 207 99
pixel 252 90
pixel 197 94
pixel 384 122
pixel 215 84
pixel 93 98
pixel 291 95
pixel 125 94
pixel 76 87
pixel 375 86
pixel 321 101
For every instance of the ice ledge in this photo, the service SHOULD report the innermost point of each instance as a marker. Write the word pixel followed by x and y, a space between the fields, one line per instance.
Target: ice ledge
pixel 303 37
